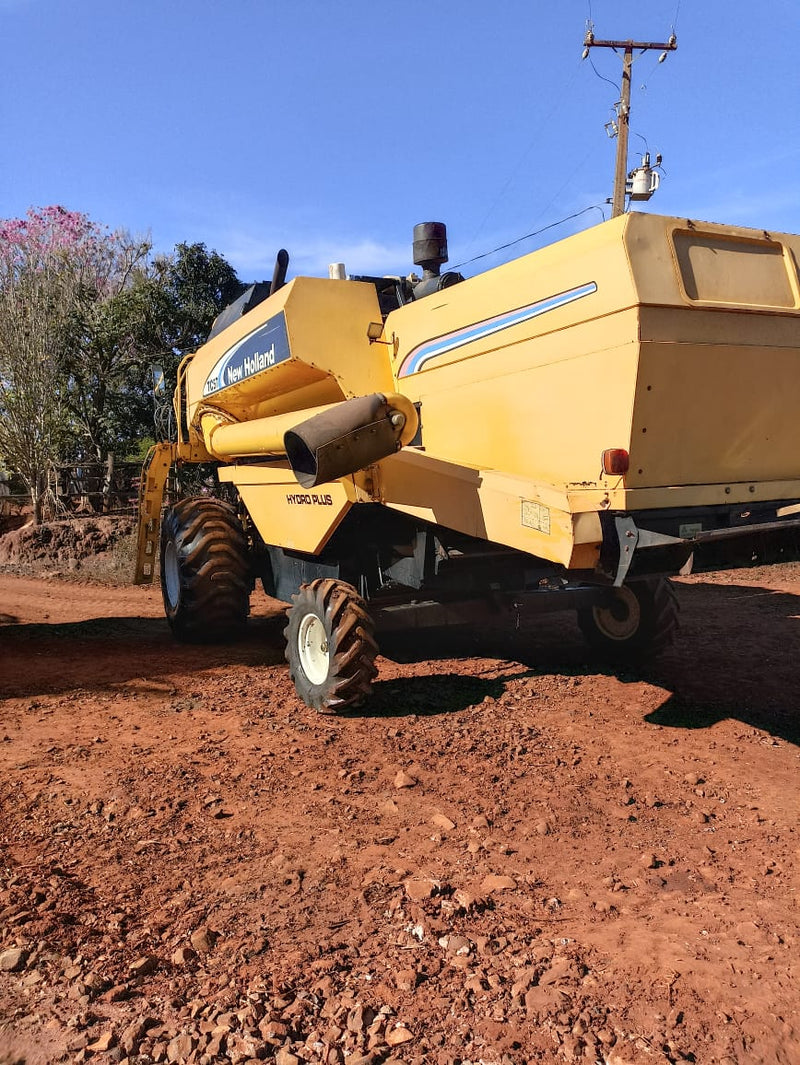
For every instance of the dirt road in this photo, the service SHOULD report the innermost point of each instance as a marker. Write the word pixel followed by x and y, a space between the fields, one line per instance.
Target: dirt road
pixel 510 857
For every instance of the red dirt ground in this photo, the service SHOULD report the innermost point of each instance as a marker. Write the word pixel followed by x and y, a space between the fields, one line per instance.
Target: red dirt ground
pixel 510 856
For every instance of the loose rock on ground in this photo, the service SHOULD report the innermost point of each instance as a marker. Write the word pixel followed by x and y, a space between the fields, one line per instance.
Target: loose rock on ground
pixel 586 866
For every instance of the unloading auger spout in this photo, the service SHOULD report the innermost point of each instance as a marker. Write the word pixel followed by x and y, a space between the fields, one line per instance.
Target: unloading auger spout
pixel 335 441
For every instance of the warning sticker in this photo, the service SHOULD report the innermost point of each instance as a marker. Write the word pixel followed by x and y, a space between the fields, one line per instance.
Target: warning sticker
pixel 689 531
pixel 536 516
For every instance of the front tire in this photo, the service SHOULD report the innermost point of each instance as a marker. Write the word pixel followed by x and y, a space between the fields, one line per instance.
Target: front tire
pixel 639 622
pixel 205 572
pixel 330 646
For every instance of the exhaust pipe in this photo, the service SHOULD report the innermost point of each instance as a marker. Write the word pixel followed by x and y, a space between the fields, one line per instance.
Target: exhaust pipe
pixel 349 436
pixel 279 273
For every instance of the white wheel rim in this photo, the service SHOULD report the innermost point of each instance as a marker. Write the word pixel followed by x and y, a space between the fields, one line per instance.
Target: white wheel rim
pixel 312 648
pixel 619 628
pixel 172 576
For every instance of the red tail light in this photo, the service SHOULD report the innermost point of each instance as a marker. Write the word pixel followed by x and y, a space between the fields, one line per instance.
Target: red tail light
pixel 615 461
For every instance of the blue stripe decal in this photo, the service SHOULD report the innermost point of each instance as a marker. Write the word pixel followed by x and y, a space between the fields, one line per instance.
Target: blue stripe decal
pixel 420 356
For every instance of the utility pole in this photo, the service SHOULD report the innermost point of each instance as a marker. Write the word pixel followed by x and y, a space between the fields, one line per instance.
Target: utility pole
pixel 624 107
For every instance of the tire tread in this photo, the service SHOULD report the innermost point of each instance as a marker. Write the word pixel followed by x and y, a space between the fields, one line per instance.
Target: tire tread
pixel 215 579
pixel 353 648
pixel 659 624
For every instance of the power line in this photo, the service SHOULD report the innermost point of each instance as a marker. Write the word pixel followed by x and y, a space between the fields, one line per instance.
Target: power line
pixel 573 174
pixel 560 99
pixel 536 233
pixel 641 138
pixel 649 74
pixel 602 77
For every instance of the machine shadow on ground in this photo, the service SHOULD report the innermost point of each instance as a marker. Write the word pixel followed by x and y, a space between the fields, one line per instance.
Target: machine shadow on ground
pixel 734 657
pixel 679 712
pixel 429 696
pixel 41 658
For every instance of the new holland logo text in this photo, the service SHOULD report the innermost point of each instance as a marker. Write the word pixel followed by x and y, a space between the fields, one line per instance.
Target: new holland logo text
pixel 259 360
pixel 264 347
pixel 231 374
pixel 311 498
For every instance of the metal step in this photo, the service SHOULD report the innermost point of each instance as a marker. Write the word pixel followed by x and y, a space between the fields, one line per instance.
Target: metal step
pixel 155 471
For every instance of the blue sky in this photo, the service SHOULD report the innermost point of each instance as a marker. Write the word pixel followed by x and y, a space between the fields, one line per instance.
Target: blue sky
pixel 331 129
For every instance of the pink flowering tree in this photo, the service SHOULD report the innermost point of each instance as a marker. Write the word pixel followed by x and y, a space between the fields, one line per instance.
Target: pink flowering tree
pixel 60 277
pixel 83 313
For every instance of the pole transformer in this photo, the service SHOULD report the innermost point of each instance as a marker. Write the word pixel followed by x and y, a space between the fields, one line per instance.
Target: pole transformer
pixel 624 107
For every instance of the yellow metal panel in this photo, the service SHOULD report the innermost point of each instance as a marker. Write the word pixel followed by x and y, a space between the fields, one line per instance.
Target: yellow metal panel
pixel 547 421
pixel 541 397
pixel 479 503
pixel 702 495
pixel 284 513
pixel 715 413
pixel 729 269
pixel 326 325
pixel 286 378
pixel 317 394
pixel 695 325
pixel 209 354
pixel 670 257
pixel 583 278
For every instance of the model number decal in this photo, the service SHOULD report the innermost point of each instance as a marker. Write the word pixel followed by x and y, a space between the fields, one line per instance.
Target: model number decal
pixel 535 516
pixel 310 498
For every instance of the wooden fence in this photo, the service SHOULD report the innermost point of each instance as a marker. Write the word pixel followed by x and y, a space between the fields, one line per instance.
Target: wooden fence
pixel 108 487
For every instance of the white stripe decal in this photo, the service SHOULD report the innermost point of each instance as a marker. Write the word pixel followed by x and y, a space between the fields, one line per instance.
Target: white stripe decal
pixel 417 359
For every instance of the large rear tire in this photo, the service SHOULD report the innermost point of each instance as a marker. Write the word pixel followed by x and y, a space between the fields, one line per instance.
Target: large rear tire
pixel 205 571
pixel 639 622
pixel 330 646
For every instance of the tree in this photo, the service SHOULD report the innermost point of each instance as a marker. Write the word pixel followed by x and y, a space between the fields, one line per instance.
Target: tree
pixel 199 284
pixel 169 312
pixel 178 302
pixel 46 261
pixel 84 312
pixel 165 310
pixel 107 352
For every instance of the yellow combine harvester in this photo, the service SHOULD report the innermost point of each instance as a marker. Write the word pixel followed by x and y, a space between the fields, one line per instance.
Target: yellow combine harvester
pixel 566 430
